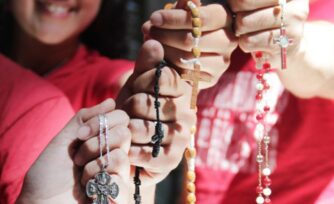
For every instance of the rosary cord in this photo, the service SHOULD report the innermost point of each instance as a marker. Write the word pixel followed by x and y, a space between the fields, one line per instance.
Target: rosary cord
pixel 106 132
pixel 137 183
pixel 159 134
pixel 101 132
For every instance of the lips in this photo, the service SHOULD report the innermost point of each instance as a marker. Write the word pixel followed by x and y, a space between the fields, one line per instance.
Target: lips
pixel 56 8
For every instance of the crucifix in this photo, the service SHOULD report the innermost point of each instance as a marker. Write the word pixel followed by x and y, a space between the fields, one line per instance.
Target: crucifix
pixel 100 189
pixel 195 76
pixel 282 40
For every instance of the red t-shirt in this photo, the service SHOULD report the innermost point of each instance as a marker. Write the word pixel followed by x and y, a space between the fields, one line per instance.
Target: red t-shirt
pixel 302 134
pixel 35 109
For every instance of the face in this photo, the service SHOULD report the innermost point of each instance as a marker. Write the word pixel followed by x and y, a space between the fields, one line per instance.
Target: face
pixel 54 21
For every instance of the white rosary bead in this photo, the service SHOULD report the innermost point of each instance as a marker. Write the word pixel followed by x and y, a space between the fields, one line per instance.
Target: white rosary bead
pixel 266 139
pixel 266 171
pixel 260 200
pixel 259 87
pixel 267 191
pixel 259 158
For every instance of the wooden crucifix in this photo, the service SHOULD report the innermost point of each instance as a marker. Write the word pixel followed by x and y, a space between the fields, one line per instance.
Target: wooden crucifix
pixel 195 76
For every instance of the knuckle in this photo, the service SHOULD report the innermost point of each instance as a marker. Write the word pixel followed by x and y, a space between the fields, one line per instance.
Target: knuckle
pixel 120 158
pixel 87 149
pixel 82 112
pixel 123 115
pixel 138 102
pixel 126 136
pixel 245 43
pixel 188 41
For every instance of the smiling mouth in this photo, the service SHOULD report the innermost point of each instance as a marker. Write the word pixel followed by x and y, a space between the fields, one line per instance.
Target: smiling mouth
pixel 56 8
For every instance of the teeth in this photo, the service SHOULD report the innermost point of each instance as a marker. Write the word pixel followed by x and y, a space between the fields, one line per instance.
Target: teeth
pixel 55 9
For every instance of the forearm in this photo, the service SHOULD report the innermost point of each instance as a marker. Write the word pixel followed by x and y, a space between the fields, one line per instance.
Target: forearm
pixel 311 69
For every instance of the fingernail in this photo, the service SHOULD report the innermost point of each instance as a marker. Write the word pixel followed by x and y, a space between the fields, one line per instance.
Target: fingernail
pixel 156 19
pixel 83 132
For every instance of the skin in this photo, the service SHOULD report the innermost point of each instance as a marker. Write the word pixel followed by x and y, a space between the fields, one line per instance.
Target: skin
pixel 137 91
pixel 43 41
pixel 310 72
pixel 54 178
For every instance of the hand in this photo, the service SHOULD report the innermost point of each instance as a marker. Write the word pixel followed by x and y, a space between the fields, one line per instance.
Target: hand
pixel 172 28
pixel 54 178
pixel 137 99
pixel 257 24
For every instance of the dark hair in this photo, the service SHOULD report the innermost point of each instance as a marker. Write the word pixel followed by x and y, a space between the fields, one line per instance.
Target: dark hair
pixel 106 34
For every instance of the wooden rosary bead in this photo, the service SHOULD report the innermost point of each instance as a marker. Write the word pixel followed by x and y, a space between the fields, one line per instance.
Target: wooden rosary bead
pixel 191 187
pixel 191 198
pixel 197 22
pixel 197 32
pixel 190 153
pixel 195 13
pixel 191 176
pixel 193 130
pixel 169 6
pixel 196 51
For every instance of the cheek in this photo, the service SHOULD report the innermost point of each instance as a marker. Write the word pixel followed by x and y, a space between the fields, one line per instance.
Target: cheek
pixel 22 11
pixel 88 12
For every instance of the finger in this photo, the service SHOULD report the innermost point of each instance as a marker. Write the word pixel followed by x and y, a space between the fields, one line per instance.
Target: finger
pixel 249 5
pixel 265 40
pixel 143 130
pixel 119 165
pixel 141 105
pixel 150 54
pixel 211 42
pixel 213 17
pixel 120 137
pixel 88 113
pixel 147 178
pixel 182 4
pixel 265 19
pixel 168 159
pixel 170 83
pixel 92 127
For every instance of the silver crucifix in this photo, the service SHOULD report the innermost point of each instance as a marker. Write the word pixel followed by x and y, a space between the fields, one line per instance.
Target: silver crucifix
pixel 283 41
pixel 100 189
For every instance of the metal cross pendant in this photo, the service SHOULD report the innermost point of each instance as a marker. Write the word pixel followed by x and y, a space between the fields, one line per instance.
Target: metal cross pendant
pixel 283 41
pixel 195 77
pixel 100 189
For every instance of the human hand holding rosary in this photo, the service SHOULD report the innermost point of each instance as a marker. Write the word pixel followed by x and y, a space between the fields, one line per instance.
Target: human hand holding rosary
pixel 66 165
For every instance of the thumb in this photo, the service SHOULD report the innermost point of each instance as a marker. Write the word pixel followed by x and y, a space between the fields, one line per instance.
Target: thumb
pixel 182 4
pixel 150 54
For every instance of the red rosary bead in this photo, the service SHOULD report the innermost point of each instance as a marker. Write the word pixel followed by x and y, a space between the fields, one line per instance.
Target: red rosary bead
pixel 267 201
pixel 266 109
pixel 259 189
pixel 267 181
pixel 259 96
pixel 266 66
pixel 266 86
pixel 259 117
pixel 258 54
pixel 259 76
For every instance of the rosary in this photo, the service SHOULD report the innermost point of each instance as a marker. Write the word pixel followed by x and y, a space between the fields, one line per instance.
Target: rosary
pixel 262 136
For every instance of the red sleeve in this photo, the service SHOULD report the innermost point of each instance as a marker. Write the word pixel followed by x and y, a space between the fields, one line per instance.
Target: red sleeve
pixel 32 113
pixel 322 10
